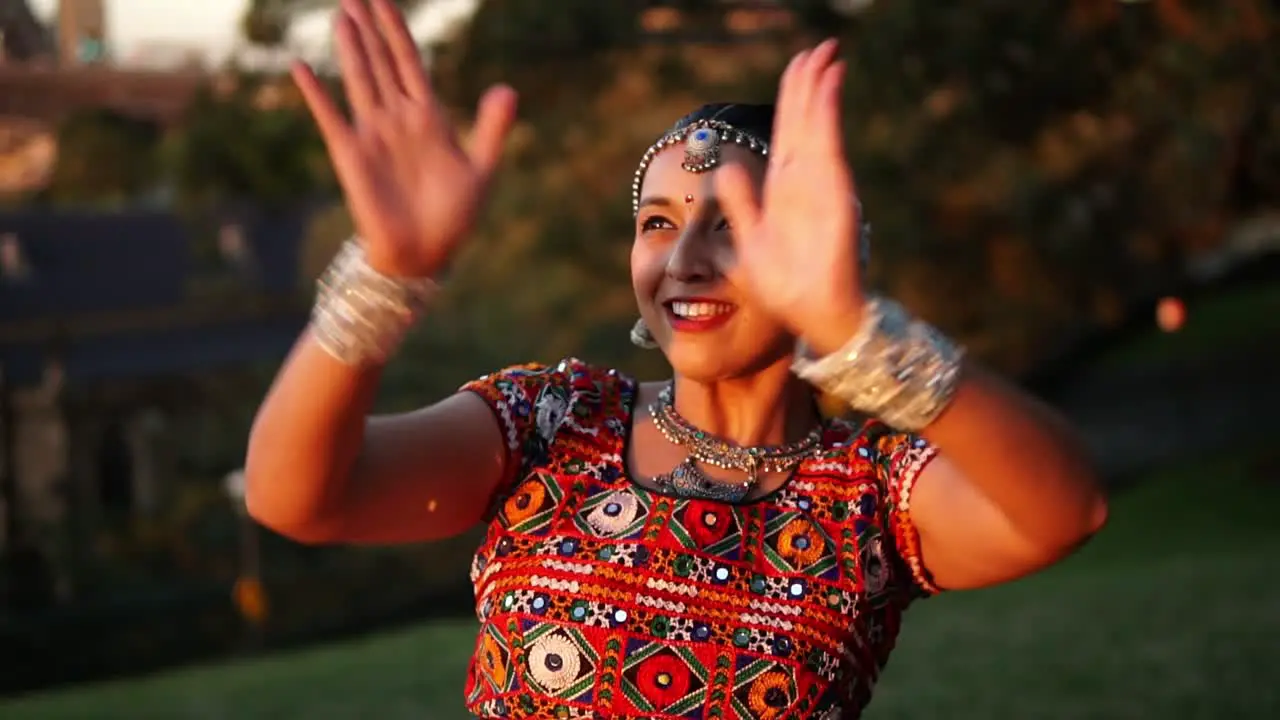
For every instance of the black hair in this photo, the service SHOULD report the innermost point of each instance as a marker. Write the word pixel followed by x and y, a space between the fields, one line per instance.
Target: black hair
pixel 756 119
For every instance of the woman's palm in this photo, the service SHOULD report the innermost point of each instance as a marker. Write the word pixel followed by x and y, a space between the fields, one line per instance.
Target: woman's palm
pixel 797 242
pixel 411 186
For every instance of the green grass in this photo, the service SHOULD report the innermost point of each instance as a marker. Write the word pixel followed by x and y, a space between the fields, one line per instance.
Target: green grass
pixel 1216 322
pixel 1172 612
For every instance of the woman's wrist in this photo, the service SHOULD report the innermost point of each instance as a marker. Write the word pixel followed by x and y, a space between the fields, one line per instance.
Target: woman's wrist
pixel 361 316
pixel 894 367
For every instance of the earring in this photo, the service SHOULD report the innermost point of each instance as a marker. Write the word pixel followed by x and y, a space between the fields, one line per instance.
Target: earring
pixel 641 337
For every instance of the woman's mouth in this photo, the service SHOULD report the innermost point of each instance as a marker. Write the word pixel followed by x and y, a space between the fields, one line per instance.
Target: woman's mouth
pixel 697 314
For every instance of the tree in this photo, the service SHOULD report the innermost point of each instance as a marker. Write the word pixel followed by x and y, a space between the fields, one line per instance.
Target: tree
pixel 251 142
pixel 1023 164
pixel 104 158
pixel 266 22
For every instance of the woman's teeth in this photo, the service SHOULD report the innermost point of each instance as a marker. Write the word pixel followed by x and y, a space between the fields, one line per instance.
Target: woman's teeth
pixel 698 310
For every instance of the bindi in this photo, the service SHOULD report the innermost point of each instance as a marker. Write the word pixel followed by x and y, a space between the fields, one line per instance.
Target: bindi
pixel 688 199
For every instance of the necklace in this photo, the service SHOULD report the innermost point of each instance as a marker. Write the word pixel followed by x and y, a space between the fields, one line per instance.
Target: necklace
pixel 688 480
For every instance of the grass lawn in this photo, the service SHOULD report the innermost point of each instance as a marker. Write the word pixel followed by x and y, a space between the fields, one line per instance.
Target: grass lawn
pixel 1173 612
pixel 1213 323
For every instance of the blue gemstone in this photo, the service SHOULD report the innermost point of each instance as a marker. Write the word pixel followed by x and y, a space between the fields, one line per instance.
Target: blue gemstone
pixel 801 542
pixel 701 632
pixel 613 509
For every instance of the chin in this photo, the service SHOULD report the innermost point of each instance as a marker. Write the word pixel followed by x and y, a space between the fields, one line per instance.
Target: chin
pixel 706 360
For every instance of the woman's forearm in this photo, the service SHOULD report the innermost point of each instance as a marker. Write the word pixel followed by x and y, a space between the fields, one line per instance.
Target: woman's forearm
pixel 1024 457
pixel 306 437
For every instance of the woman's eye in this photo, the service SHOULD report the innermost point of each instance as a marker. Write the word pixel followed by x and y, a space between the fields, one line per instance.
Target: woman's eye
pixel 655 222
pixel 723 225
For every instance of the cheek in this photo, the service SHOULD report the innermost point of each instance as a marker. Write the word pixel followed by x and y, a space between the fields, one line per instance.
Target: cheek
pixel 647 267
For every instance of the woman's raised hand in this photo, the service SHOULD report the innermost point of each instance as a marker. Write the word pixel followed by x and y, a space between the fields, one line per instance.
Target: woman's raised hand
pixel 797 240
pixel 412 187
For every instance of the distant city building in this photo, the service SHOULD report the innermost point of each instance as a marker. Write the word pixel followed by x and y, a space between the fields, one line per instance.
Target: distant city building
pixel 82 32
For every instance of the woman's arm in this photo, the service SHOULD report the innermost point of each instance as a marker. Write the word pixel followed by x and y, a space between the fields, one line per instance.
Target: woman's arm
pixel 1011 491
pixel 999 487
pixel 320 470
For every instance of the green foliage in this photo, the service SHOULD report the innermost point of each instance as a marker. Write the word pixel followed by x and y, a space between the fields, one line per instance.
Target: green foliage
pixel 266 22
pixel 252 142
pixel 104 158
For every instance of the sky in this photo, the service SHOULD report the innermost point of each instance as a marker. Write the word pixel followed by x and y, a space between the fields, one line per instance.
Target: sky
pixel 211 26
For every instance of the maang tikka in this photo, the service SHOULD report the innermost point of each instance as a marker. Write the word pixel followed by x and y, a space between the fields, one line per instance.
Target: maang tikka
pixel 703 149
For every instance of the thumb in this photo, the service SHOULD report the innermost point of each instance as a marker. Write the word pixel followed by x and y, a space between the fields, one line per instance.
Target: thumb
pixel 494 117
pixel 737 195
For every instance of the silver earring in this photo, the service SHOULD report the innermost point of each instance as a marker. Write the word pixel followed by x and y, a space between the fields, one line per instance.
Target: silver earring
pixel 641 337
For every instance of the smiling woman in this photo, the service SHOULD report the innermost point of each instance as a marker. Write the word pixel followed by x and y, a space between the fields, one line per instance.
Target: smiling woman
pixel 706 546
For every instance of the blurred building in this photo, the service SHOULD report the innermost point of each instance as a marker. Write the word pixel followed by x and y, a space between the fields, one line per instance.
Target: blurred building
pixel 82 32
pixel 114 327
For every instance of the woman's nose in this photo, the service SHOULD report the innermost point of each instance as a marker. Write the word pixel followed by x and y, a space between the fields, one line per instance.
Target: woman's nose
pixel 691 259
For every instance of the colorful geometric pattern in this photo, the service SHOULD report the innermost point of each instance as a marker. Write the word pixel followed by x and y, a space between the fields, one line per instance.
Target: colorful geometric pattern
pixel 598 597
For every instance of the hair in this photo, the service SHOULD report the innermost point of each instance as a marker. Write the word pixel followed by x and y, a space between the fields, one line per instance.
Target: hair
pixel 756 119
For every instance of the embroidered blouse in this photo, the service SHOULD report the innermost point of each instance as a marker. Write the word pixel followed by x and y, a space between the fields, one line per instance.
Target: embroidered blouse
pixel 601 598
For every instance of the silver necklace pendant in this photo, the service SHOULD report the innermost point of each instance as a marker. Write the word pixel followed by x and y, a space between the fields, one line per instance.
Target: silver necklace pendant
pixel 687 480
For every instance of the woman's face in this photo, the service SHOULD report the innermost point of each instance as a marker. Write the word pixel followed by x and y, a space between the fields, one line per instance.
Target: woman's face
pixel 682 269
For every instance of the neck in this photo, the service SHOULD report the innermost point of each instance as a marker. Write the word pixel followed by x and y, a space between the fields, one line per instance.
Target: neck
pixel 769 408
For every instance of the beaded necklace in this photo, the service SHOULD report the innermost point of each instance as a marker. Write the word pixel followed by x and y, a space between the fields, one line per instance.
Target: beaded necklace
pixel 688 480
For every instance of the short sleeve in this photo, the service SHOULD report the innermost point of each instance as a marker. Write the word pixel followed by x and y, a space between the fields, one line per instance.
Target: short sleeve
pixel 903 457
pixel 529 401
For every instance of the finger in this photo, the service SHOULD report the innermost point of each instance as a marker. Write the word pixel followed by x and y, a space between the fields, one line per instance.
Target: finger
pixel 357 79
pixel 334 129
pixel 827 136
pixel 404 51
pixel 494 117
pixel 736 193
pixel 381 64
pixel 784 114
pixel 337 134
pixel 811 74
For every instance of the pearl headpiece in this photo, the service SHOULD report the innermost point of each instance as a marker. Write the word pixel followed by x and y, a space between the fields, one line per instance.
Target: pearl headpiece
pixel 703 140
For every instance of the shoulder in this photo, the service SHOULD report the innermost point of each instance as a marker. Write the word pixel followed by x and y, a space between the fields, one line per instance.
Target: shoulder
pixel 552 393
pixel 858 445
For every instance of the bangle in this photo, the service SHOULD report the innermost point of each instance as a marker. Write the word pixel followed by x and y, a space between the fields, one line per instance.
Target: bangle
pixel 361 316
pixel 896 368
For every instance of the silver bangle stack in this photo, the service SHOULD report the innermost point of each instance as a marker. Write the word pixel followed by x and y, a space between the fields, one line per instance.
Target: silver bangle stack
pixel 896 368
pixel 360 315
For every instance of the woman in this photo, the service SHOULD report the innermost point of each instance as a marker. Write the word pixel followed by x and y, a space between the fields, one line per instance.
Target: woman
pixel 705 547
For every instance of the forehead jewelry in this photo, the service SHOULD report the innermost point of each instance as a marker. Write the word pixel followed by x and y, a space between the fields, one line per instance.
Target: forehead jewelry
pixel 703 141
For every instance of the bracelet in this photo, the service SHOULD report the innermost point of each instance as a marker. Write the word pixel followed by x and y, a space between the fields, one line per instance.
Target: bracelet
pixel 361 316
pixel 896 368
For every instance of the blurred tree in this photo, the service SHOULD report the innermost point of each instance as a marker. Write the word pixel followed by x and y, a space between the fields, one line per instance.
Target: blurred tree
pixel 1024 165
pixel 103 158
pixel 246 138
pixel 266 22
